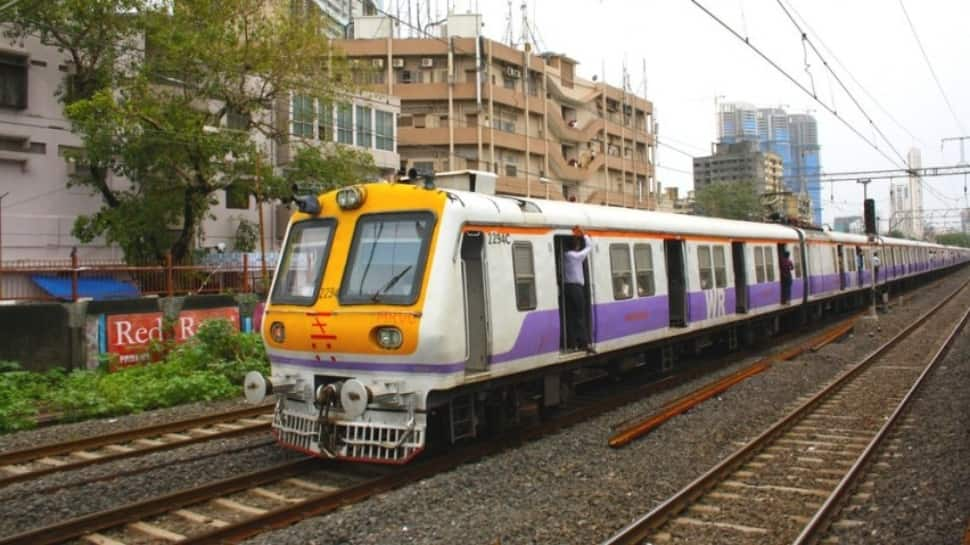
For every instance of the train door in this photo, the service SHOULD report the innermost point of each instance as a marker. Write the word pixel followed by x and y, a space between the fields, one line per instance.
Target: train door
pixel 563 243
pixel 675 258
pixel 841 266
pixel 476 320
pixel 740 277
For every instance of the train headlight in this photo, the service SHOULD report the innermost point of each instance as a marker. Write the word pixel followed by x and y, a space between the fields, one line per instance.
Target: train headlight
pixel 277 331
pixel 389 337
pixel 350 198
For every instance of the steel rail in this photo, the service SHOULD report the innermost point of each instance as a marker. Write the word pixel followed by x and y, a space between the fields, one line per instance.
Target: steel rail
pixel 819 523
pixel 637 531
pixel 636 428
pixel 36 453
pixel 76 527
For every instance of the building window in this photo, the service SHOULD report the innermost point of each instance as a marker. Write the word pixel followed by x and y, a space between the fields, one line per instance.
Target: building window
pixel 237 197
pixel 325 122
pixel 303 117
pixel 508 83
pixel 720 267
pixel 643 261
pixel 237 121
pixel 525 280
pixel 345 124
pixel 364 127
pixel 13 81
pixel 384 123
pixel 511 170
pixel 759 264
pixel 621 271
pixel 424 168
pixel 704 266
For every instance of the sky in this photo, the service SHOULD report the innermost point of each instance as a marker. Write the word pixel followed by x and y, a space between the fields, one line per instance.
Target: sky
pixel 692 61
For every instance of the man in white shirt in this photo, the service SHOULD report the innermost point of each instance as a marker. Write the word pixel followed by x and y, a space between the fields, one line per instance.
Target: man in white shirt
pixel 574 281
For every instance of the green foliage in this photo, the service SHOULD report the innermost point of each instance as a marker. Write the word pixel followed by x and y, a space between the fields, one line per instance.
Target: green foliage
pixel 247 233
pixel 209 366
pixel 896 233
pixel 731 200
pixel 154 78
pixel 318 171
pixel 954 239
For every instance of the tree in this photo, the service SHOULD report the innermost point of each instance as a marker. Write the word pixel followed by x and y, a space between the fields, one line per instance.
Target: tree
pixel 731 200
pixel 954 239
pixel 896 233
pixel 163 79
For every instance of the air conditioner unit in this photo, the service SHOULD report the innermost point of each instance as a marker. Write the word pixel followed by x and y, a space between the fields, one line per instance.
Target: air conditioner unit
pixel 427 62
pixel 512 72
pixel 397 63
pixel 377 63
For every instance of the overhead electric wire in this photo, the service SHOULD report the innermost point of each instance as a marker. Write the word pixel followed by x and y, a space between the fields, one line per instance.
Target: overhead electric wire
pixel 932 71
pixel 825 63
pixel 838 61
pixel 793 80
pixel 678 150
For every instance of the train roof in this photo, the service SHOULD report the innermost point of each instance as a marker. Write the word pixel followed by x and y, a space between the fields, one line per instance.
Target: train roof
pixel 480 208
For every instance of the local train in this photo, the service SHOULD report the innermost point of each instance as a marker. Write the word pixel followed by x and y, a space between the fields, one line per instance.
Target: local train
pixel 403 315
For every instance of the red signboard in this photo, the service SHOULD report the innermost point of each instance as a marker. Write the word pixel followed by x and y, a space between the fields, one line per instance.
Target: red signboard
pixel 130 335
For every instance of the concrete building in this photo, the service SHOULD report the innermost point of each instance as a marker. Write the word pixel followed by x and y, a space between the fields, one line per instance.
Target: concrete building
pixel 793 137
pixel 737 162
pixel 39 209
pixel 906 201
pixel 468 102
pixel 849 224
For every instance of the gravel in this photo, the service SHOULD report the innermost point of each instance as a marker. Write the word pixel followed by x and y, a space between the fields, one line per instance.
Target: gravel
pixel 566 488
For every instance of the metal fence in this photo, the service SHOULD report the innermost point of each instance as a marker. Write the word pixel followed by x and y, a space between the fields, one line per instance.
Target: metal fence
pixel 234 273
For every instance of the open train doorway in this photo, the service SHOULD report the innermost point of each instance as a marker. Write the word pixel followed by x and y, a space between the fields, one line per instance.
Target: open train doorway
pixel 476 320
pixel 840 263
pixel 568 324
pixel 676 281
pixel 740 277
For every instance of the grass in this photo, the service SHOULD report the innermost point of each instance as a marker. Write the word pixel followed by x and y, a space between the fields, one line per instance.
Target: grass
pixel 209 366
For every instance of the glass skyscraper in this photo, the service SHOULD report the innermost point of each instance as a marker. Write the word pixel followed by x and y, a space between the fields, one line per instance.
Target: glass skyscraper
pixel 793 137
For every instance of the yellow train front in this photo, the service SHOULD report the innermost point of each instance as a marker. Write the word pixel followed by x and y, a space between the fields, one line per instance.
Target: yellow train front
pixel 343 321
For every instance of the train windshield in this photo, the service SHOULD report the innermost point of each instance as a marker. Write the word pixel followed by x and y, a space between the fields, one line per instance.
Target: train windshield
pixel 301 269
pixel 387 259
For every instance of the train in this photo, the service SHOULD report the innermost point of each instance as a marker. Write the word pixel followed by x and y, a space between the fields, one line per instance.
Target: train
pixel 405 315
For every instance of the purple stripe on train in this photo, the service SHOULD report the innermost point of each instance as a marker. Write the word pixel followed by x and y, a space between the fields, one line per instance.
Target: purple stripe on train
pixel 823 283
pixel 629 317
pixel 709 304
pixel 539 334
pixel 763 295
pixel 327 363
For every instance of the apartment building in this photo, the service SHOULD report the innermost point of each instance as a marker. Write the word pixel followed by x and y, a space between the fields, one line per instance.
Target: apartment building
pixel 739 161
pixel 468 102
pixel 39 209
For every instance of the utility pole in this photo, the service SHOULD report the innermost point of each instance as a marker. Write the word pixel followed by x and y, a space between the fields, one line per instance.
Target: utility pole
pixel 963 162
pixel 865 187
pixel 1 242
pixel 259 208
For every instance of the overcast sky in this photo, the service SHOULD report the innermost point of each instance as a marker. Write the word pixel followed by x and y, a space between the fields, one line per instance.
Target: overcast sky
pixel 691 60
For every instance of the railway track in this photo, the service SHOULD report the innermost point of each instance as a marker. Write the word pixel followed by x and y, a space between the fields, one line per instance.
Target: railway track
pixel 44 460
pixel 790 483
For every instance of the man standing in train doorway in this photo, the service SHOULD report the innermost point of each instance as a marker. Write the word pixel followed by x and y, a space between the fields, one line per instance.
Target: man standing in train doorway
pixel 786 269
pixel 574 280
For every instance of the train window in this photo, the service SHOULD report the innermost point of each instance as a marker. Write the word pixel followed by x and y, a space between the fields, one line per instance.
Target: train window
pixel 523 268
pixel 387 259
pixel 759 264
pixel 704 266
pixel 720 267
pixel 301 269
pixel 849 260
pixel 769 264
pixel 621 271
pixel 643 261
pixel 796 260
